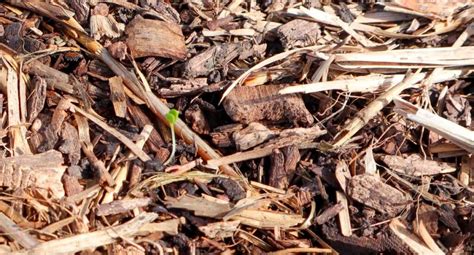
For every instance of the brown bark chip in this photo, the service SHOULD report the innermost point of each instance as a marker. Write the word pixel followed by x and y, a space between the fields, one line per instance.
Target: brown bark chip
pixel 253 135
pixel 250 104
pixel 277 174
pixel 298 33
pixel 155 38
pixel 371 191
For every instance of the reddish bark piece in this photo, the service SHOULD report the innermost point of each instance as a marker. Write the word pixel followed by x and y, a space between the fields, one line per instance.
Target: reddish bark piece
pixel 197 118
pixel 146 37
pixel 251 104
pixel 71 185
pixel 277 175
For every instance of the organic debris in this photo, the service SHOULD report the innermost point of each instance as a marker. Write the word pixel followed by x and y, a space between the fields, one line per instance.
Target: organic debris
pixel 236 127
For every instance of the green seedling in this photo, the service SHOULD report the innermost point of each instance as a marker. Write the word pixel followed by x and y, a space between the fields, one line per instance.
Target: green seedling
pixel 172 117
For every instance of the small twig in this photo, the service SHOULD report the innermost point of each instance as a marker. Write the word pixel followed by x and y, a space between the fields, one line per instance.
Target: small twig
pixel 12 230
pixel 301 250
pixel 93 239
pixel 371 110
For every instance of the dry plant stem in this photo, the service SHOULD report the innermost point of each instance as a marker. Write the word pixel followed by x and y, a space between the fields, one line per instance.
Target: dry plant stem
pixel 53 11
pixel 50 229
pixel 99 165
pixel 137 151
pixel 371 110
pixel 426 195
pixel 155 104
pixel 408 58
pixel 14 215
pixel 9 227
pixel 347 28
pixel 94 239
pixel 371 83
pixel 457 134
pixel 239 156
pixel 458 43
pixel 13 90
pixel 268 61
pixel 120 173
pixel 301 250
pixel 326 18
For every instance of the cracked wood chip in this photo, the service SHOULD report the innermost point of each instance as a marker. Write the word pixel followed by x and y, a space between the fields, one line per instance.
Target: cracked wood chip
pixel 121 206
pixel 221 229
pixel 277 176
pixel 202 206
pixel 301 137
pixel 268 219
pixel 329 213
pixel 184 87
pixel 37 98
pixel 263 103
pixel 117 96
pixel 371 191
pixel 215 57
pixel 414 165
pixel 416 245
pixel 146 37
pixel 298 33
pixel 251 136
pixel 197 118
pixel 42 171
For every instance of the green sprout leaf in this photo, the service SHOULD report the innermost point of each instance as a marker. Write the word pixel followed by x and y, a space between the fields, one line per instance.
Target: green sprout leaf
pixel 172 116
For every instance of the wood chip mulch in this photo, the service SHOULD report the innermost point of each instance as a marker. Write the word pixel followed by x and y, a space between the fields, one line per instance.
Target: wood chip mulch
pixel 236 127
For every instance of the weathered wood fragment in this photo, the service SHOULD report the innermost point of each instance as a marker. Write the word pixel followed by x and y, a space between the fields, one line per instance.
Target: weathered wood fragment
pixel 298 33
pixel 220 229
pixel 414 165
pixel 37 98
pixel 263 103
pixel 329 213
pixel 121 206
pixel 117 96
pixel 197 118
pixel 370 190
pixel 211 59
pixel 251 136
pixel 185 87
pixel 71 185
pixel 42 171
pixel 146 37
pixel 277 174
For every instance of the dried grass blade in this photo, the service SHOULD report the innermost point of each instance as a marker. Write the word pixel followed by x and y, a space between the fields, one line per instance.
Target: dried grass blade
pixel 457 134
pixel 371 110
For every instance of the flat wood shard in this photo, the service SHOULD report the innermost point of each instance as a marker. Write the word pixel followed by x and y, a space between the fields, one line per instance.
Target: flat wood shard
pixel 263 103
pixel 146 37
pixel 42 171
